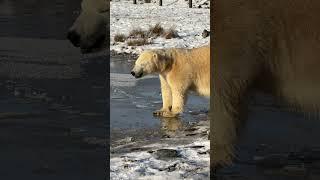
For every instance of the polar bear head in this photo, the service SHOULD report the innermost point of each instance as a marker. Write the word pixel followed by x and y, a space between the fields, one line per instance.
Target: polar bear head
pixel 89 31
pixel 152 61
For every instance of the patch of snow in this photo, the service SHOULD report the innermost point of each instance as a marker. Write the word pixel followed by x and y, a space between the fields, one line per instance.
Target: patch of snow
pixel 189 23
pixel 178 157
pixel 193 163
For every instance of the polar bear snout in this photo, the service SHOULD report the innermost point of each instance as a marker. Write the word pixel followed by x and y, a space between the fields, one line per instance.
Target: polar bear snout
pixel 88 43
pixel 136 74
pixel 74 38
pixel 89 30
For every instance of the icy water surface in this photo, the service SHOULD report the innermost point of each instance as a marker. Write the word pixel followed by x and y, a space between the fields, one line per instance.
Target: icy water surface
pixel 37 18
pixel 52 112
pixel 52 99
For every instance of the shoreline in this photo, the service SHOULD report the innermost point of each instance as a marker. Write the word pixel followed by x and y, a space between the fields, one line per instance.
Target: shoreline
pixel 124 55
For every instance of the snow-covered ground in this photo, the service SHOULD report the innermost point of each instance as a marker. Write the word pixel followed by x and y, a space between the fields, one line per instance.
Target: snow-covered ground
pixel 189 23
pixel 143 165
pixel 170 158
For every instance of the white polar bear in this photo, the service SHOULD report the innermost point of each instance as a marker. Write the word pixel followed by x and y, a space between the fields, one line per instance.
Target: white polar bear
pixel 180 70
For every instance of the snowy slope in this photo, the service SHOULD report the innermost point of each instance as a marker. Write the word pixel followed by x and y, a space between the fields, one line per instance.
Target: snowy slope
pixel 189 23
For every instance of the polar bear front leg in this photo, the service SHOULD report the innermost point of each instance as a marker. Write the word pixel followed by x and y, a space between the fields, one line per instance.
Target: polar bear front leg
pixel 229 112
pixel 179 97
pixel 166 97
pixel 166 94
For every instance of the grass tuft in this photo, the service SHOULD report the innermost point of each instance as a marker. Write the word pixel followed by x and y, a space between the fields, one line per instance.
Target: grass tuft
pixel 170 33
pixel 137 33
pixel 156 30
pixel 139 37
pixel 138 42
pixel 120 38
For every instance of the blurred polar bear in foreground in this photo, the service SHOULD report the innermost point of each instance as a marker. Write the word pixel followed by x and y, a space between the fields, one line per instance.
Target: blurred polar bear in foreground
pixel 89 31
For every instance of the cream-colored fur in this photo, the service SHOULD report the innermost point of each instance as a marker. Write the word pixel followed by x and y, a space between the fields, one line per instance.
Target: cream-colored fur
pixel 264 45
pixel 180 71
pixel 91 24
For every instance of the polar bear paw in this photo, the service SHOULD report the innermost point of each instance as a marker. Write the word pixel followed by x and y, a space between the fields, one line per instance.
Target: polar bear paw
pixel 164 113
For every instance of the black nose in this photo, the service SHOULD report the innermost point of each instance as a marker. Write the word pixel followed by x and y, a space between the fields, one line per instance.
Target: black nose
pixel 74 37
pixel 133 73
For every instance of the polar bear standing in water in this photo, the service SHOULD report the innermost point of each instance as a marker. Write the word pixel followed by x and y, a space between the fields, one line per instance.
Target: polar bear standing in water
pixel 180 70
pixel 89 31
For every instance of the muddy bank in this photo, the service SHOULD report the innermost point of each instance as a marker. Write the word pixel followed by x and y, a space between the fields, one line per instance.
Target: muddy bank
pixel 123 55
pixel 178 154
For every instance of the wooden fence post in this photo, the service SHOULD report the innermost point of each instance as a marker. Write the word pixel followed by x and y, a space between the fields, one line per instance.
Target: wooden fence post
pixel 134 1
pixel 190 3
pixel 160 2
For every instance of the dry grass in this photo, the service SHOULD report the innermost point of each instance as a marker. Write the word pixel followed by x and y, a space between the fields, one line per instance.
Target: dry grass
pixel 139 37
pixel 170 33
pixel 138 42
pixel 137 33
pixel 120 38
pixel 156 30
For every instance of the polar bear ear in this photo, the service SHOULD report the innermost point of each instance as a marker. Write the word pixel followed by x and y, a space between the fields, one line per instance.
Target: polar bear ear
pixel 155 55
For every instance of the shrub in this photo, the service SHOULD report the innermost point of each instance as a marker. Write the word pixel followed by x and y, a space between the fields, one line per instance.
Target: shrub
pixel 156 30
pixel 120 38
pixel 137 33
pixel 170 33
pixel 138 42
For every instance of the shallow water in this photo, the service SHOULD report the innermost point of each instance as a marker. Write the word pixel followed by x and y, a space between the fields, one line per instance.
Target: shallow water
pixel 37 18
